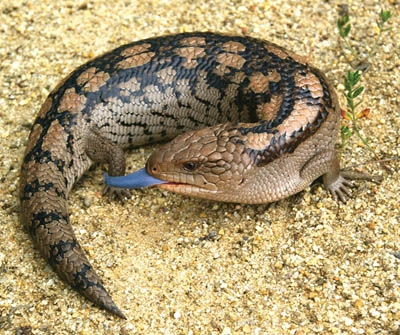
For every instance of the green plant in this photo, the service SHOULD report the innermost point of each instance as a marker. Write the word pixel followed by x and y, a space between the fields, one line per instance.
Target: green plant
pixel 353 89
pixel 353 92
pixel 344 26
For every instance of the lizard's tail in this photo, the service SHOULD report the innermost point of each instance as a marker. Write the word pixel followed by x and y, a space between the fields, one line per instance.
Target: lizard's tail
pixel 43 197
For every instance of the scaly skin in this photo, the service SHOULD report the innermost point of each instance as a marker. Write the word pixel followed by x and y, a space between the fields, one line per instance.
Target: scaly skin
pixel 271 123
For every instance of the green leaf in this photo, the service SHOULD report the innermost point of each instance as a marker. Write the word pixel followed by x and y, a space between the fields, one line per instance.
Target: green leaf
pixel 386 29
pixel 346 30
pixel 385 15
pixel 345 133
pixel 357 91
pixel 344 26
pixel 357 77
pixel 353 77
pixel 343 20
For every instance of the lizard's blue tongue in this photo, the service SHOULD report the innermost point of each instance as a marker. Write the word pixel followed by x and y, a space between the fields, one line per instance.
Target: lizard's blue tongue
pixel 136 179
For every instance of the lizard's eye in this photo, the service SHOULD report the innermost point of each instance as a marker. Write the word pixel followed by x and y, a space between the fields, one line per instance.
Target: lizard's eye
pixel 190 166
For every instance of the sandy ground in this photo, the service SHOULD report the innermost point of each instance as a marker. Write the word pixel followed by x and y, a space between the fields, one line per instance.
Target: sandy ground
pixel 176 265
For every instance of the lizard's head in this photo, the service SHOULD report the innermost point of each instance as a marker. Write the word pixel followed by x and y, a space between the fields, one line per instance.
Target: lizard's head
pixel 210 163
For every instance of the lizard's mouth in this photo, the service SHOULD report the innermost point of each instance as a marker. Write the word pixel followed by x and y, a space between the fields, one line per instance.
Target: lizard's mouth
pixel 142 178
pixel 182 188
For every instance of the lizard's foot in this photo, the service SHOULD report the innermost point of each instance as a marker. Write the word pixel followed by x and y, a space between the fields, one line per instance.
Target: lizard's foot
pixel 340 187
pixel 119 193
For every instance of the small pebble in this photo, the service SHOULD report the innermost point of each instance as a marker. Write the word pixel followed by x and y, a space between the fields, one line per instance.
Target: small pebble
pixel 177 314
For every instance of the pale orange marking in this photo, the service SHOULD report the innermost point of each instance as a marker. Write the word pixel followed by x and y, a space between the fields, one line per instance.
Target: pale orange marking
pixel 193 41
pixel 259 82
pixel 274 76
pixel 135 60
pixel 258 141
pixel 283 53
pixel 92 81
pixel 238 77
pixel 269 110
pixel 190 53
pixel 220 70
pixel 135 50
pixel 86 75
pixel 164 48
pixel 55 134
pixel 72 101
pixel 301 115
pixel 311 82
pixel 231 60
pixel 234 47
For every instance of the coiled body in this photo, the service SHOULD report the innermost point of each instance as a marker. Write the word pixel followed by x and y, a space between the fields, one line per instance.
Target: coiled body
pixel 270 123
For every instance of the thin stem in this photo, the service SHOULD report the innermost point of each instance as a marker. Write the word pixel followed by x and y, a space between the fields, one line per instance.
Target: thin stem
pixel 350 48
pixel 356 129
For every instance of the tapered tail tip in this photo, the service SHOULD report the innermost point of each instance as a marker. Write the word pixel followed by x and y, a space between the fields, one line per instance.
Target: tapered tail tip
pixel 104 301
pixel 96 293
pixel 115 310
